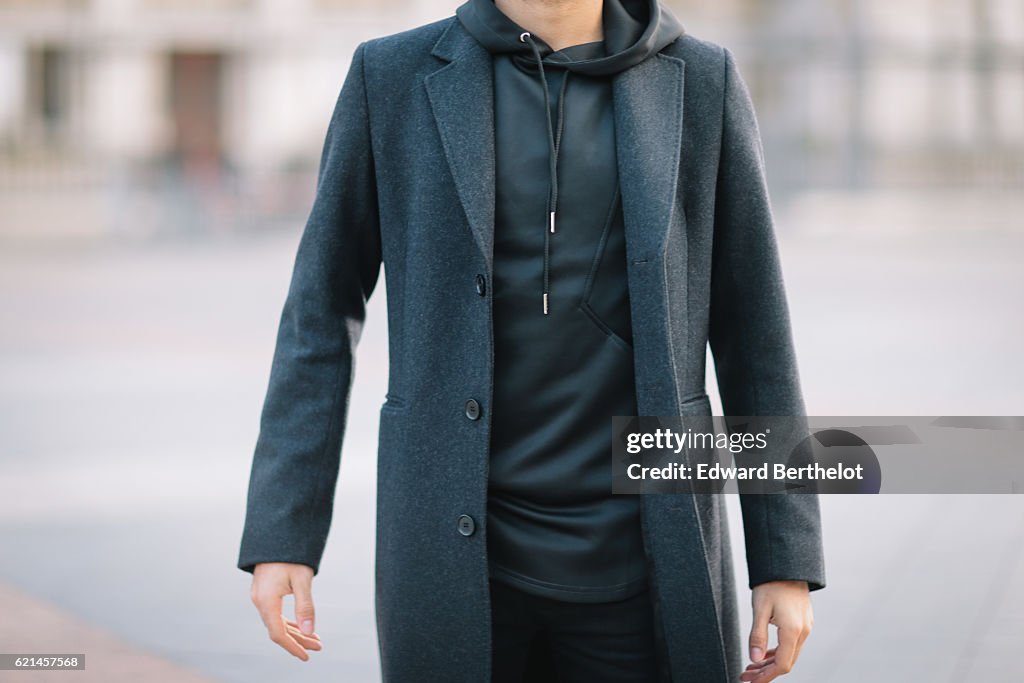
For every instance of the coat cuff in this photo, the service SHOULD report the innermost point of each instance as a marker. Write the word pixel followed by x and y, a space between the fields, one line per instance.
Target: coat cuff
pixel 783 539
pixel 294 548
pixel 789 558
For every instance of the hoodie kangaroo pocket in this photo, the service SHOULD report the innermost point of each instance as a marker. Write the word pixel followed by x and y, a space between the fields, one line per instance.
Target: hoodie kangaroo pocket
pixel 606 291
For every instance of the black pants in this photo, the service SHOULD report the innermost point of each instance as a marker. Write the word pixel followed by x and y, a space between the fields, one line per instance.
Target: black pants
pixel 540 640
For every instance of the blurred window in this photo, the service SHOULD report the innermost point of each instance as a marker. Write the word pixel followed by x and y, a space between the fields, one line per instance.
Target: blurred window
pixel 196 89
pixel 49 90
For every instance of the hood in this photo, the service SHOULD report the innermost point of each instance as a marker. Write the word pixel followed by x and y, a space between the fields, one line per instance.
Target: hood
pixel 633 31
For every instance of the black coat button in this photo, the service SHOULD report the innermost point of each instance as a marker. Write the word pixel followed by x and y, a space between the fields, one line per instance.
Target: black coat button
pixel 481 285
pixel 472 409
pixel 466 525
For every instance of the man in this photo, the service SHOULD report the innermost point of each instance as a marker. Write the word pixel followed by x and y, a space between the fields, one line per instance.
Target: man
pixel 569 198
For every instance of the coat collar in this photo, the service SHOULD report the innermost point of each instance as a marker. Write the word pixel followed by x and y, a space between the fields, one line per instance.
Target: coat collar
pixel 648 103
pixel 462 96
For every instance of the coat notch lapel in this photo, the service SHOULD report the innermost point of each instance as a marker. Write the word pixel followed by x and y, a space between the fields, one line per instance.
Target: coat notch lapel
pixel 461 96
pixel 648 130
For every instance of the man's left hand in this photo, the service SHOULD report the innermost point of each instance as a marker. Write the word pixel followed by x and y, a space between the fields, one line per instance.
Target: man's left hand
pixel 787 605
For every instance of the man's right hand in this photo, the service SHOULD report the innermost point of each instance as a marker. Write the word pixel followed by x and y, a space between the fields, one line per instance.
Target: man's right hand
pixel 271 581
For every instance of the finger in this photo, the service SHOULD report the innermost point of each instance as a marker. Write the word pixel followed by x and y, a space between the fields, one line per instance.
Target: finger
pixel 295 625
pixel 769 657
pixel 758 675
pixel 801 639
pixel 280 635
pixel 302 587
pixel 806 631
pixel 762 675
pixel 753 666
pixel 785 654
pixel 304 640
pixel 269 606
pixel 768 669
pixel 754 671
pixel 759 632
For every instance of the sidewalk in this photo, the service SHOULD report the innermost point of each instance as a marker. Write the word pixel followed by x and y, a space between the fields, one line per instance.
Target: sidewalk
pixel 32 626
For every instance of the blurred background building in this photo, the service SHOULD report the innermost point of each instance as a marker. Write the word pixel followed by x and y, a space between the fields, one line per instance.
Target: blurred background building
pixel 154 116
pixel 168 116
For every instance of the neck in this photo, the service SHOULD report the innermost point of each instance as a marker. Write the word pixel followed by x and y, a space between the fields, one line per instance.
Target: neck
pixel 559 23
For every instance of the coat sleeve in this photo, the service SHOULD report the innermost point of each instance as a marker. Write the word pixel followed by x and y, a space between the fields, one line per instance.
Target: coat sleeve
pixel 297 454
pixel 751 341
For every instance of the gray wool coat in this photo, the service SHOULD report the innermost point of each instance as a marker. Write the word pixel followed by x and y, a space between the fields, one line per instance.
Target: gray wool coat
pixel 407 180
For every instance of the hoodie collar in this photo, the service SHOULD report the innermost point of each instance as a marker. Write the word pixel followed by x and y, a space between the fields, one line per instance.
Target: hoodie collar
pixel 633 31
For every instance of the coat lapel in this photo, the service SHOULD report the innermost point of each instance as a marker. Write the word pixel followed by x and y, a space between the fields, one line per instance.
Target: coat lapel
pixel 648 102
pixel 462 98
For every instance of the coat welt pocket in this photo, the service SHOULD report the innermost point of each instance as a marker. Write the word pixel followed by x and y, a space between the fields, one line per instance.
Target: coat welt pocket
pixel 695 404
pixel 393 403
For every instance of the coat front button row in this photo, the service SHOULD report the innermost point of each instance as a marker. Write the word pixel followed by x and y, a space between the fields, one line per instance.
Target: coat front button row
pixel 472 409
pixel 481 285
pixel 466 525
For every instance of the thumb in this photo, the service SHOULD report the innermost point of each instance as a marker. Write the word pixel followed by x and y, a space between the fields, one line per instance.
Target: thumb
pixel 302 587
pixel 759 633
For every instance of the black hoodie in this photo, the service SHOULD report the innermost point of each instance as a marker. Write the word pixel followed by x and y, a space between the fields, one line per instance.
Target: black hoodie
pixel 563 343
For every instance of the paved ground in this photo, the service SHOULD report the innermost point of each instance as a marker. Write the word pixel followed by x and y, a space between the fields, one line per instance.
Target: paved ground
pixel 131 380
pixel 33 626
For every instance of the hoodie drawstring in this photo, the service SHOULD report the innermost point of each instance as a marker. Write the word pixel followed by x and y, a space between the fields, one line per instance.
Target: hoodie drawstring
pixel 553 143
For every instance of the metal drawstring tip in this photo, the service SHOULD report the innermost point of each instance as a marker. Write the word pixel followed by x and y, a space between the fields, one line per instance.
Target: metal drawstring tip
pixel 545 303
pixel 552 222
